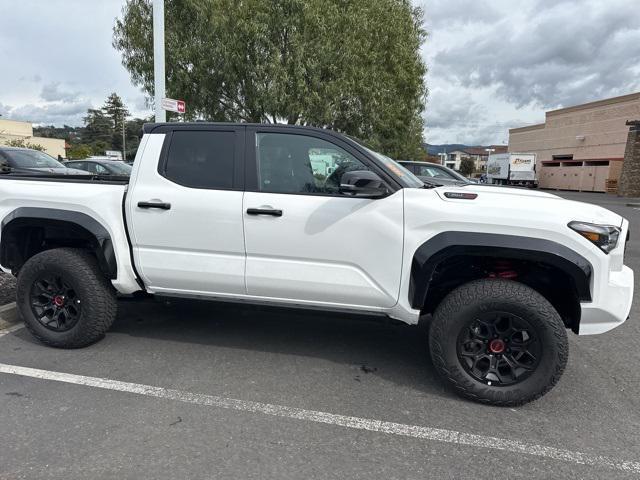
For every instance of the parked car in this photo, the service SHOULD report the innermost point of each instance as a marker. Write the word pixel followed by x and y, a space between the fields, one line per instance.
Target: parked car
pixel 25 160
pixel 101 167
pixel 236 212
pixel 435 173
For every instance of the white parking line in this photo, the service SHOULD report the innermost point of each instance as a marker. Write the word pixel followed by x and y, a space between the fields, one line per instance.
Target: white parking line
pixel 425 433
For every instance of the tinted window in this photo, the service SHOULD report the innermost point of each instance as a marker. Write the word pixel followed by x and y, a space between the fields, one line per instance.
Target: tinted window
pixel 301 164
pixel 78 165
pixel 101 170
pixel 201 159
pixel 94 168
pixel 120 168
pixel 31 159
pixel 429 171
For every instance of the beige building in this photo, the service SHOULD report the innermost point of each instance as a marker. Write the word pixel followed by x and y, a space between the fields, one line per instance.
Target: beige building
pixel 580 147
pixel 14 130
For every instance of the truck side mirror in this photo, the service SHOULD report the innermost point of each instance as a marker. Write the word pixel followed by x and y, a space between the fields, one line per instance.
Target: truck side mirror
pixel 363 184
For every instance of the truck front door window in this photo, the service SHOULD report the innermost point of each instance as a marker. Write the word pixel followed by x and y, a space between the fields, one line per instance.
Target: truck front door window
pixel 301 164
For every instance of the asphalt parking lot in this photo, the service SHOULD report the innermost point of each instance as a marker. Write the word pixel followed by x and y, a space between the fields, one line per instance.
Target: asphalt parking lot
pixel 260 393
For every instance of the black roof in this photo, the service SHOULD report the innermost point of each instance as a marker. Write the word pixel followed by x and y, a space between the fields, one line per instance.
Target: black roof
pixel 416 162
pixel 97 160
pixel 150 127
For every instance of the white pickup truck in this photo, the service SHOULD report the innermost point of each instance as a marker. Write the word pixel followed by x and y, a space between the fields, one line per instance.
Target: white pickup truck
pixel 236 212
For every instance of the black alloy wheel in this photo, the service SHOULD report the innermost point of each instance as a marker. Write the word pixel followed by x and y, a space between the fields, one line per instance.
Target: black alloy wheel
pixel 55 303
pixel 499 348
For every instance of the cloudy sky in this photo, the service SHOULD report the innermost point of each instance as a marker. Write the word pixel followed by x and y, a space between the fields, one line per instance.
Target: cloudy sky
pixel 493 64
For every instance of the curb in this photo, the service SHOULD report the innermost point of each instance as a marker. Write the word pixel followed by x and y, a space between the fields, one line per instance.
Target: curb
pixel 8 315
pixel 633 205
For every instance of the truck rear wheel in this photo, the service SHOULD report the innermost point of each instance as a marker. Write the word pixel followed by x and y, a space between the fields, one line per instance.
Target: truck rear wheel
pixel 64 298
pixel 498 342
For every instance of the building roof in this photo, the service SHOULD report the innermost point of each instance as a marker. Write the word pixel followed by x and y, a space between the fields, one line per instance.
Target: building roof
pixel 597 103
pixel 482 150
pixel 575 108
pixel 527 128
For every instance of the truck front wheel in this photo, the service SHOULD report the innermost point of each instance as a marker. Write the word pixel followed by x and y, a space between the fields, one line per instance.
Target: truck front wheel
pixel 498 342
pixel 64 299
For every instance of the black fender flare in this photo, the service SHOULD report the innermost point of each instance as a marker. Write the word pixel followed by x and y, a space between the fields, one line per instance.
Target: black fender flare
pixel 26 216
pixel 449 244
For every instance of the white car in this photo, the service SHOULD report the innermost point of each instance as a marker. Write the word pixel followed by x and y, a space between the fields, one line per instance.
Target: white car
pixel 236 212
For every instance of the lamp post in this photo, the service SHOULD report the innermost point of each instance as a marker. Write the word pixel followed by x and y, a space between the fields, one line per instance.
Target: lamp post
pixel 158 59
pixel 124 149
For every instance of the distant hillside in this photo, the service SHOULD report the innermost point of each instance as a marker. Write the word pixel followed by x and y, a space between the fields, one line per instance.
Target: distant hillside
pixel 450 147
pixel 436 149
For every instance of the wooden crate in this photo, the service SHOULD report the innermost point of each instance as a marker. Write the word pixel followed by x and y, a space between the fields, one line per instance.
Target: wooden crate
pixel 611 186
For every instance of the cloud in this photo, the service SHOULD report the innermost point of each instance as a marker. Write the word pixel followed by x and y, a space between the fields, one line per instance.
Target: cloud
pixel 446 13
pixel 51 93
pixel 4 110
pixel 52 113
pixel 561 54
pixel 34 78
pixel 139 102
pixel 54 81
pixel 443 114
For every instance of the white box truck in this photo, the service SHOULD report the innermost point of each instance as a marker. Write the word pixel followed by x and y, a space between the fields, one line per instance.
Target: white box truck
pixel 512 169
pixel 522 169
pixel 498 168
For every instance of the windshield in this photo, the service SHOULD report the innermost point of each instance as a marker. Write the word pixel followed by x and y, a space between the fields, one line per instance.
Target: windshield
pixel 404 176
pixel 437 172
pixel 120 168
pixel 31 159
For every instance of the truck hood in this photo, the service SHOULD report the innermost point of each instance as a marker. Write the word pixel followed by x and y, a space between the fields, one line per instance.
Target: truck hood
pixel 527 200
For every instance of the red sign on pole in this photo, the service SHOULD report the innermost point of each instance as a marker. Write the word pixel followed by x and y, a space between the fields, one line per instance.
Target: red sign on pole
pixel 174 105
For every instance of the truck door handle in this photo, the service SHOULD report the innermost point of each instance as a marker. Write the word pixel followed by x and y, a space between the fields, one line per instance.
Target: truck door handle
pixel 160 205
pixel 264 211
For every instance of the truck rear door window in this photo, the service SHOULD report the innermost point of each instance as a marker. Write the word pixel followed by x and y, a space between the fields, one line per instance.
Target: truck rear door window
pixel 201 159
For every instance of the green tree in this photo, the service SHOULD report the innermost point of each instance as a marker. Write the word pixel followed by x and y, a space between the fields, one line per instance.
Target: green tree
pixel 134 133
pixel 352 66
pixel 23 143
pixel 467 167
pixel 79 151
pixel 117 112
pixel 98 128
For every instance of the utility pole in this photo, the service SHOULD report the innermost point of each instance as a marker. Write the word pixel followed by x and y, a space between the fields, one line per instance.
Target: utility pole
pixel 158 59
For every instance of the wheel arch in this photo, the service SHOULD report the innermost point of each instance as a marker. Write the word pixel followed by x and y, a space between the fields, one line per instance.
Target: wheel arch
pixel 29 230
pixel 485 248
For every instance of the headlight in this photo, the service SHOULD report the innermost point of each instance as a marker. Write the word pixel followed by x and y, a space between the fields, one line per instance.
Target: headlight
pixel 604 237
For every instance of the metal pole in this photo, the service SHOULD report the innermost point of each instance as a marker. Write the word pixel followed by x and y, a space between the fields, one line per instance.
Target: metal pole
pixel 158 58
pixel 124 148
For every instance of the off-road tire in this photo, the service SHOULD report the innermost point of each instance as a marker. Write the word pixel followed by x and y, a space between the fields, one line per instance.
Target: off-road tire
pixel 93 289
pixel 479 297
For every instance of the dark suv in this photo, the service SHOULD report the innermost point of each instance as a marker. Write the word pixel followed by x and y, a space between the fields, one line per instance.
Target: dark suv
pixel 26 160
pixel 101 167
pixel 434 173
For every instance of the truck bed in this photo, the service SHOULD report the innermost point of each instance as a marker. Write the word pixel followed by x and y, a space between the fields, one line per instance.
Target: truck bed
pixel 57 196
